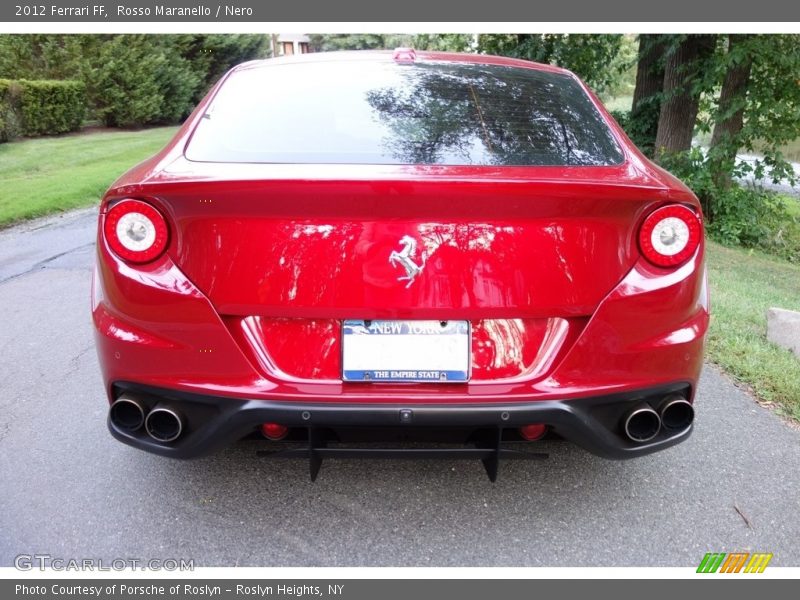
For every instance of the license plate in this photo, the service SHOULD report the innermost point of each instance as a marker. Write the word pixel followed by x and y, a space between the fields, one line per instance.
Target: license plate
pixel 406 351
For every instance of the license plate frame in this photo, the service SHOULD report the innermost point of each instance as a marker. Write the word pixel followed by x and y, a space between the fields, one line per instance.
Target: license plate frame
pixel 395 351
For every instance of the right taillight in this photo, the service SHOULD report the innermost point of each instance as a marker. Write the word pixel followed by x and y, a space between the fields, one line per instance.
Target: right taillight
pixel 670 235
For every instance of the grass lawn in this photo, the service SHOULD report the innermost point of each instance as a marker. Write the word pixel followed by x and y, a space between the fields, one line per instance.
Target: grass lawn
pixel 743 286
pixel 792 206
pixel 46 175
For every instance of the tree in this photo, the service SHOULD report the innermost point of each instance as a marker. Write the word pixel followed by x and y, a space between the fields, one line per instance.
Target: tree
pixel 211 55
pixel 590 56
pixel 445 42
pixel 358 41
pixel 646 107
pixel 682 88
pixel 139 82
pixel 758 108
pixel 729 120
pixel 42 56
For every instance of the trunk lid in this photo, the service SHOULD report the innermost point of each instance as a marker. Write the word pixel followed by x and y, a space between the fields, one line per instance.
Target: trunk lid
pixel 386 247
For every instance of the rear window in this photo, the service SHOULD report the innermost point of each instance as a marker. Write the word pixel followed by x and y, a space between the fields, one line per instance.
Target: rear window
pixel 427 113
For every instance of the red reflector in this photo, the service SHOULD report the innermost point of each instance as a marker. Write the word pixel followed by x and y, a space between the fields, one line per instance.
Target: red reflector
pixel 274 431
pixel 532 432
pixel 404 55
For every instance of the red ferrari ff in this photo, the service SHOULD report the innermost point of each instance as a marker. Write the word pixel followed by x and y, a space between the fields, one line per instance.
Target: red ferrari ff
pixel 349 247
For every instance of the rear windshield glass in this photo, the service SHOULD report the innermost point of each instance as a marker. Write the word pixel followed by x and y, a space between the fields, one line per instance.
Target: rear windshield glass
pixel 374 112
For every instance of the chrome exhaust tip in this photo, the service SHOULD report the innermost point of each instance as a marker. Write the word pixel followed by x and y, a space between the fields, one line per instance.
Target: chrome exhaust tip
pixel 641 424
pixel 127 413
pixel 163 424
pixel 676 413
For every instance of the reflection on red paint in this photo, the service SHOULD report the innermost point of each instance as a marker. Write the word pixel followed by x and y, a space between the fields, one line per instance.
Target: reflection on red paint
pixel 310 349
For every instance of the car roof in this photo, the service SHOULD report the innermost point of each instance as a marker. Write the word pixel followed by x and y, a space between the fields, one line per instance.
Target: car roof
pixel 387 56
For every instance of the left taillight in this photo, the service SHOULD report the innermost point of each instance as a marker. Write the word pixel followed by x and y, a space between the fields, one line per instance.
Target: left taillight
pixel 136 231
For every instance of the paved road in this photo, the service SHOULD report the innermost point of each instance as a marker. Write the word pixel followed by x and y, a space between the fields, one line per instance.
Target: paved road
pixel 68 489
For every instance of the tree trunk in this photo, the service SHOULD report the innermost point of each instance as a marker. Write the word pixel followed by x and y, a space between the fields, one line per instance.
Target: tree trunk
pixel 650 68
pixel 731 103
pixel 679 107
pixel 647 94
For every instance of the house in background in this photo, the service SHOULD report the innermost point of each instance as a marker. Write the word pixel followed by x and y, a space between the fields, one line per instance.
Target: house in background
pixel 286 44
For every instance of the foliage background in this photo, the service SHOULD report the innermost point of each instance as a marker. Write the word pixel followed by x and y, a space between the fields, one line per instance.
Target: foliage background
pixel 131 80
pixel 718 95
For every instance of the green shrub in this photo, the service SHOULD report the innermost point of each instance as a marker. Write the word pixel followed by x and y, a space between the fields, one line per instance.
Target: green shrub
pixel 33 108
pixel 641 124
pixel 622 117
pixel 756 218
pixel 51 107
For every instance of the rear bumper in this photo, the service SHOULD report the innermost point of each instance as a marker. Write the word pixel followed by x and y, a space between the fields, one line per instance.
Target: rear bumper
pixel 211 423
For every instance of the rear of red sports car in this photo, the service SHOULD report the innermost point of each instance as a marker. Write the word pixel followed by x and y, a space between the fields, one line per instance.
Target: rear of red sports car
pixel 377 246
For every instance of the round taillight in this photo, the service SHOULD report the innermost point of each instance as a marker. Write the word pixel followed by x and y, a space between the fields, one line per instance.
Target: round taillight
pixel 670 235
pixel 136 231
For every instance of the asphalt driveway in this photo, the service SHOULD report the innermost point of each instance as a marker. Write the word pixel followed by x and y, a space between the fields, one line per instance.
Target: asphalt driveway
pixel 69 490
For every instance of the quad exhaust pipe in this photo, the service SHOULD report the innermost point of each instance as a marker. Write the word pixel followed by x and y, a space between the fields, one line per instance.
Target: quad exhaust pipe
pixel 643 423
pixel 676 413
pixel 127 413
pixel 162 423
